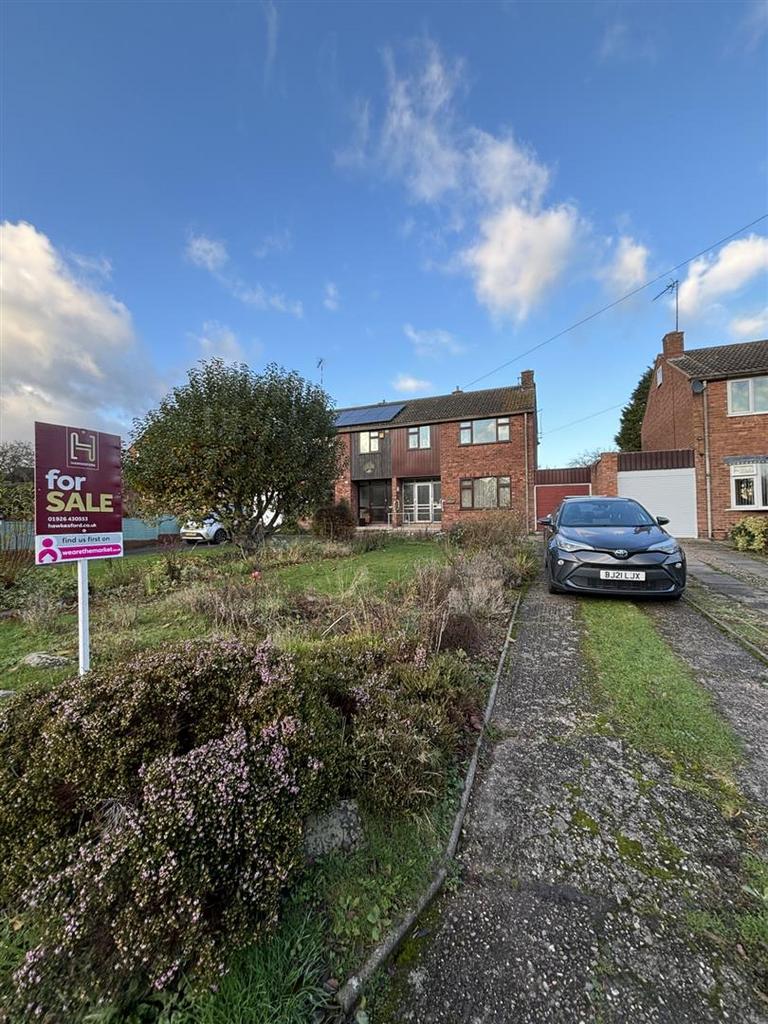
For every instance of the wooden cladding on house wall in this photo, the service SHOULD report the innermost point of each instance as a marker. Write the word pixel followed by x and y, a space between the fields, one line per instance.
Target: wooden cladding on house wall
pixel 415 462
pixel 677 458
pixel 372 465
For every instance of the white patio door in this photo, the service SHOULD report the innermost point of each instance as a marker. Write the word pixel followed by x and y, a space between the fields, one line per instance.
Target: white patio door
pixel 421 501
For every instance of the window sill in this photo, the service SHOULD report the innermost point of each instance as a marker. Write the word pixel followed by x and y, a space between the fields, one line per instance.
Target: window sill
pixel 759 412
pixel 747 508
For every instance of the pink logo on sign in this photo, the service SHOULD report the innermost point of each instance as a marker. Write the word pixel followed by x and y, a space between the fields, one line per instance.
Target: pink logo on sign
pixel 49 552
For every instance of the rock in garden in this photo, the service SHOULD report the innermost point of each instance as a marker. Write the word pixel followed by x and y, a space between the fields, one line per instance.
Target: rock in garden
pixel 41 659
pixel 339 829
pixel 6 693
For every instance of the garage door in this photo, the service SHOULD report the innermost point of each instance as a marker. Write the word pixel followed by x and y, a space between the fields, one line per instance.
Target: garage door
pixel 665 492
pixel 549 496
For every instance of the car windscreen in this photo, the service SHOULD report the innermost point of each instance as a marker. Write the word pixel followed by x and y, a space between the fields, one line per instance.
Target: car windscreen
pixel 604 513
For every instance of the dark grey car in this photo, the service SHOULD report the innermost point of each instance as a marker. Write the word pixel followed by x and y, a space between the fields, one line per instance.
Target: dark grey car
pixel 601 545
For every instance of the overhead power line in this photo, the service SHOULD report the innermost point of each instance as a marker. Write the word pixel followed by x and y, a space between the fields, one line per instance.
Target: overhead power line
pixel 564 426
pixel 616 302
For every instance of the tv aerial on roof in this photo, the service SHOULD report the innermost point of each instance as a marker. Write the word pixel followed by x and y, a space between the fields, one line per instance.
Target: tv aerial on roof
pixel 673 286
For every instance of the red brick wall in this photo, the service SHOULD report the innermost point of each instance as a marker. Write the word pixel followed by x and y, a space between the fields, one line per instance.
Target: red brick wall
pixel 668 421
pixel 503 459
pixel 728 435
pixel 344 489
pixel 604 474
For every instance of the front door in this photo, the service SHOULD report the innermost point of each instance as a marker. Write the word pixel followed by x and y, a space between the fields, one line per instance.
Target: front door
pixel 421 501
pixel 373 499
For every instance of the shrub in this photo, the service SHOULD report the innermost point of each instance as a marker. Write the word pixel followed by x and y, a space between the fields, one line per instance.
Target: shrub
pixel 151 818
pixel 334 522
pixel 751 534
pixel 503 529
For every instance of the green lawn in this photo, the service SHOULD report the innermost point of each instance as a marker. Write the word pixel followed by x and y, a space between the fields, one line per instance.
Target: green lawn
pixel 650 696
pixel 379 568
pixel 130 614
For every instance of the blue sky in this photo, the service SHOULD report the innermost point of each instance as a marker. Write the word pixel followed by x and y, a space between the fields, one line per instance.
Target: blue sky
pixel 415 192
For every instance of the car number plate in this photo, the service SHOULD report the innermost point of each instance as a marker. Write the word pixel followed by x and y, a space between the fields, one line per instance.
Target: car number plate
pixel 621 574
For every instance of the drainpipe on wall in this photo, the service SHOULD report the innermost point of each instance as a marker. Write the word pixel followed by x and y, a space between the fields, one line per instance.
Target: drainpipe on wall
pixel 707 466
pixel 527 488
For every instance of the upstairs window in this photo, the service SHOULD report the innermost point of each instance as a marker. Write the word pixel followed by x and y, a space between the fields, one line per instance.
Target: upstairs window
pixel 369 441
pixel 484 431
pixel 659 375
pixel 419 437
pixel 748 396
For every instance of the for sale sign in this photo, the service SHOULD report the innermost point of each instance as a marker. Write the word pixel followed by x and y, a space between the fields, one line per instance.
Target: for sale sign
pixel 78 494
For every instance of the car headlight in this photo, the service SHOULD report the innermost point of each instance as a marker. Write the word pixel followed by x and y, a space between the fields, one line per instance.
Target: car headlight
pixel 669 547
pixel 572 545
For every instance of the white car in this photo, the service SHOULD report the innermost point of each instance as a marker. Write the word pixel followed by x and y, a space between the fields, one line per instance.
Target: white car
pixel 209 531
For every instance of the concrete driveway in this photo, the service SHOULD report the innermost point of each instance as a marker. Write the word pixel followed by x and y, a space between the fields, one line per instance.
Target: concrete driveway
pixel 733 574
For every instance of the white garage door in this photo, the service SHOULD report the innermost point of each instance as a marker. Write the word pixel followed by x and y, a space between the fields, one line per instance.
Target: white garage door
pixel 665 492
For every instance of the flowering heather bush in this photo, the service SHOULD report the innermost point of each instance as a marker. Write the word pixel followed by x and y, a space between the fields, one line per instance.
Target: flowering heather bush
pixel 150 818
pixel 404 720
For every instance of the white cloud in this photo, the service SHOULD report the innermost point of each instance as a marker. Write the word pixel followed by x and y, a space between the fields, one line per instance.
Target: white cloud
pixel 713 277
pixel 207 252
pixel 629 266
pixel 520 255
pixel 213 256
pixel 504 171
pixel 99 266
pixel 621 42
pixel 750 328
pixel 410 385
pixel 433 343
pixel 416 139
pixel 331 300
pixel 277 242
pixel 271 18
pixel 488 186
pixel 752 29
pixel 69 350
pixel 216 339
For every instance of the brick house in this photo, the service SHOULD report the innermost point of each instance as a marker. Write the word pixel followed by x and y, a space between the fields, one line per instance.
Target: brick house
pixel 715 402
pixel 429 461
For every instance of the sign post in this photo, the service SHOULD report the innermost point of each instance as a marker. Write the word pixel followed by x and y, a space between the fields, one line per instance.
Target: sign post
pixel 78 506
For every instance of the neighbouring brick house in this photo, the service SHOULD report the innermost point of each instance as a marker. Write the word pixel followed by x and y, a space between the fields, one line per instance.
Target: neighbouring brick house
pixel 715 402
pixel 438 460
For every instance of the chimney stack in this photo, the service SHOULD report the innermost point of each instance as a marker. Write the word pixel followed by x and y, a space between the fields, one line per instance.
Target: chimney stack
pixel 526 379
pixel 674 343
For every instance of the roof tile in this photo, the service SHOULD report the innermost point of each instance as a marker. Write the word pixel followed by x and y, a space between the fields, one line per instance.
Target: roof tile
pixel 724 360
pixel 460 405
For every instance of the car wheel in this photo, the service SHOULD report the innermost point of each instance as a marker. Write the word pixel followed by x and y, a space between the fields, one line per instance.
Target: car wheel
pixel 219 537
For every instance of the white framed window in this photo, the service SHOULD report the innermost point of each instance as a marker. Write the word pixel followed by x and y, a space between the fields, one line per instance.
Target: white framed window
pixel 484 431
pixel 748 396
pixel 659 375
pixel 485 492
pixel 749 485
pixel 369 441
pixel 419 437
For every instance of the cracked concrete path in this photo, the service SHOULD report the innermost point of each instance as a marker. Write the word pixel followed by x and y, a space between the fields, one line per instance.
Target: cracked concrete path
pixel 735 574
pixel 737 681
pixel 581 857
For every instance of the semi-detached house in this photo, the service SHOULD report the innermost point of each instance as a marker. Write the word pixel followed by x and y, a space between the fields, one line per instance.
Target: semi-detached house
pixel 438 460
pixel 714 401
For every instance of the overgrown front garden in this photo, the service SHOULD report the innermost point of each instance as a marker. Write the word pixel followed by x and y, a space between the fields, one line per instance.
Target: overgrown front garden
pixel 154 814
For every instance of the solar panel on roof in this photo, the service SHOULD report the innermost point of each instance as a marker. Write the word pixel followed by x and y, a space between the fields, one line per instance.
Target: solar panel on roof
pixel 371 414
